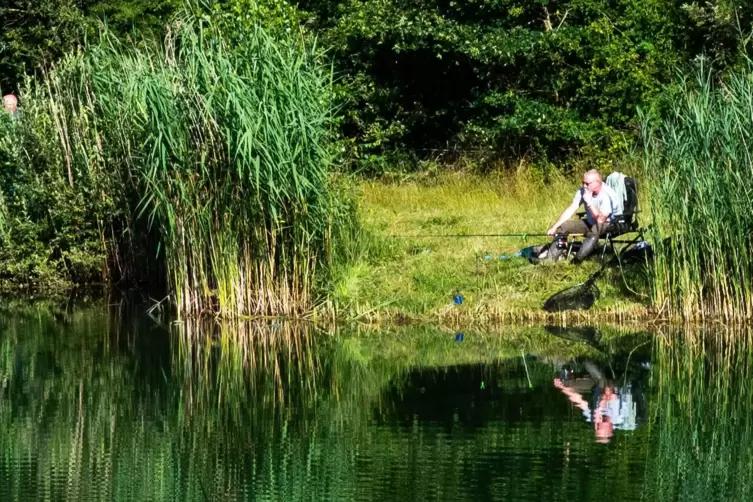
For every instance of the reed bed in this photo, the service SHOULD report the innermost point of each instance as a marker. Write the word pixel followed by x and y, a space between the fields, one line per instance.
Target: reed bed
pixel 699 167
pixel 209 158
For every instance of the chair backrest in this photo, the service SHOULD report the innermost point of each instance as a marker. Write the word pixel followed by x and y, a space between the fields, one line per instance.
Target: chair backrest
pixel 630 211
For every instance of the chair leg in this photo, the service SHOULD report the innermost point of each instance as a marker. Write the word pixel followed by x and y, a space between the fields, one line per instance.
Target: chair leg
pixel 607 242
pixel 569 249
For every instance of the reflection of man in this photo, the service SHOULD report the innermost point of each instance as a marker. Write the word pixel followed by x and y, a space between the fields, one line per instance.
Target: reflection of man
pixel 10 103
pixel 613 407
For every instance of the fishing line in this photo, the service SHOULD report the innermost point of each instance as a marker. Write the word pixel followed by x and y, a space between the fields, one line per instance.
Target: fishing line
pixel 522 354
pixel 521 235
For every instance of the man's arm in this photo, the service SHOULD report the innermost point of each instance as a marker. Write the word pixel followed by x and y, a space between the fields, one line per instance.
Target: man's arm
pixel 591 208
pixel 598 216
pixel 574 396
pixel 566 215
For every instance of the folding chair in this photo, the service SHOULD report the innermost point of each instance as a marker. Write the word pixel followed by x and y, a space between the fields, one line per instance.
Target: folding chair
pixel 626 224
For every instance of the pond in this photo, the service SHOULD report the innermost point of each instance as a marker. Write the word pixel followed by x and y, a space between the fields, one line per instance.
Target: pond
pixel 100 404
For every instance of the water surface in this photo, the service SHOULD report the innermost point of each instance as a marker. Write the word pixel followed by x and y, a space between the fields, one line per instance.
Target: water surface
pixel 99 405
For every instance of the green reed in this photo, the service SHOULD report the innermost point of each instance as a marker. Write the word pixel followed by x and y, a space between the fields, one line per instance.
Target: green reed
pixel 699 171
pixel 210 151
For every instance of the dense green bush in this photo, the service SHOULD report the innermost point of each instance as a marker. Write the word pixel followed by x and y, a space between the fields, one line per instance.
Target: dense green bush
pixel 50 232
pixel 37 33
pixel 511 78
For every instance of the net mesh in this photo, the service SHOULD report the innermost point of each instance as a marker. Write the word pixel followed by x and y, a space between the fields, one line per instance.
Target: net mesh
pixel 580 297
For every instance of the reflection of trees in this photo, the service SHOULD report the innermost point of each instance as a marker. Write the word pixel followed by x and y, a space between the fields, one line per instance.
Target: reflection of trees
pixel 102 407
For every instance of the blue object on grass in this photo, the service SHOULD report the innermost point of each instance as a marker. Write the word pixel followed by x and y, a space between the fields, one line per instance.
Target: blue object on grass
pixel 458 299
pixel 459 337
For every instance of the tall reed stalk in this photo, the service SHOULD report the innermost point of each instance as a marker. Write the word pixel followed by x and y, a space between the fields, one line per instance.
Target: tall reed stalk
pixel 700 174
pixel 215 142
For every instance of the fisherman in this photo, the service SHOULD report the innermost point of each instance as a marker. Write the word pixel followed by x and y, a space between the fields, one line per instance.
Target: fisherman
pixel 612 407
pixel 602 205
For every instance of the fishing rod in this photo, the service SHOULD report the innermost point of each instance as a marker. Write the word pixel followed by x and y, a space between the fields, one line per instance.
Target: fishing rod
pixel 521 235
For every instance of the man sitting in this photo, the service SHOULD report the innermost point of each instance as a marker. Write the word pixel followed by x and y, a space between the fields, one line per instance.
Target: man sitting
pixel 602 206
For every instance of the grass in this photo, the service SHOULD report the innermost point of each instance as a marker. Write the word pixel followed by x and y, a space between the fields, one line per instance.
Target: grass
pixel 402 276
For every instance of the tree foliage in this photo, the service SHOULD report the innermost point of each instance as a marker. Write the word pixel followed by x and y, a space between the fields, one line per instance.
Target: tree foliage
pixel 511 76
pixel 34 33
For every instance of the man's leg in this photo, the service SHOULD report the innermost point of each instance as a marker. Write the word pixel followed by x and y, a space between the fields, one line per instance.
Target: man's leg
pixel 568 228
pixel 591 241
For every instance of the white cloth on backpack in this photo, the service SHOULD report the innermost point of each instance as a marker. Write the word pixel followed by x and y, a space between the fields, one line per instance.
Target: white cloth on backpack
pixel 616 181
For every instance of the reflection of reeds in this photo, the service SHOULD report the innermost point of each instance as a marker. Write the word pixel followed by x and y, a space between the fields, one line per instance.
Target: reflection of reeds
pixel 232 363
pixel 701 422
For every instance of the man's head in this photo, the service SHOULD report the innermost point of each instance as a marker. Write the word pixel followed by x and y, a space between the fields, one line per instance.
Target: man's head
pixel 10 103
pixel 603 428
pixel 592 181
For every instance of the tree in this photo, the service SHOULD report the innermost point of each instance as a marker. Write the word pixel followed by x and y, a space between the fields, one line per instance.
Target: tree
pixel 34 32
pixel 37 32
pixel 516 77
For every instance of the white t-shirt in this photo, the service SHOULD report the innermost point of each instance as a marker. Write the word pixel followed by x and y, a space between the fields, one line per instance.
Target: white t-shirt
pixel 606 202
pixel 621 410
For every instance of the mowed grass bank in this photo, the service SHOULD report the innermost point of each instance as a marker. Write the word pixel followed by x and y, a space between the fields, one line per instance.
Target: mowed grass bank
pixel 403 274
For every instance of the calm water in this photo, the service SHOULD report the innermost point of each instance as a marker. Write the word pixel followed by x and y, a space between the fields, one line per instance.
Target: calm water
pixel 99 405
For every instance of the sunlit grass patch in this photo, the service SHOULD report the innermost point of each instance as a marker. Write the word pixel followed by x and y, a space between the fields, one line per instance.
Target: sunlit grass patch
pixel 429 263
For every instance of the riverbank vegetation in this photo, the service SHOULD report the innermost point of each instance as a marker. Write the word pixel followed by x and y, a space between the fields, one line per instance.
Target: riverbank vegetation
pixel 211 154
pixel 419 259
pixel 202 164
pixel 700 165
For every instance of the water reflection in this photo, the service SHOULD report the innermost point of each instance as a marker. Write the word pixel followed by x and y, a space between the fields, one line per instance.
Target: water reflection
pixel 98 405
pixel 702 445
pixel 611 408
pixel 608 401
